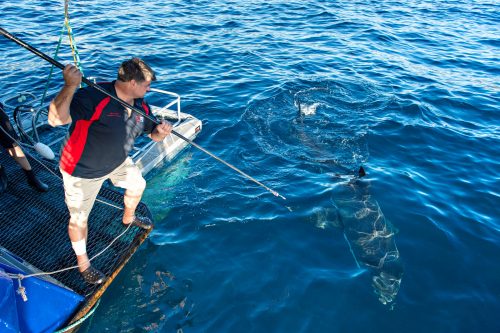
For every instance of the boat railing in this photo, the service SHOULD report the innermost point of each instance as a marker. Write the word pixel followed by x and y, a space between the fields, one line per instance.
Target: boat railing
pixel 27 101
pixel 20 98
pixel 176 101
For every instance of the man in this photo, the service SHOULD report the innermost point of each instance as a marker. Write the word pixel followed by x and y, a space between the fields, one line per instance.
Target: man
pixel 8 138
pixel 101 134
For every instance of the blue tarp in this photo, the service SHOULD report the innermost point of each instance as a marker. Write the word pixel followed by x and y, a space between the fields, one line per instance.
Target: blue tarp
pixel 8 310
pixel 48 307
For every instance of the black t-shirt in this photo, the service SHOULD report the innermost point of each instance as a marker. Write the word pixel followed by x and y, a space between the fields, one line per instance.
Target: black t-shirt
pixel 101 134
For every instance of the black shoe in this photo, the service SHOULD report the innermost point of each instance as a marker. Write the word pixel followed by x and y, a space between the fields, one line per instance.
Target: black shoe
pixel 3 180
pixel 93 276
pixel 141 222
pixel 35 182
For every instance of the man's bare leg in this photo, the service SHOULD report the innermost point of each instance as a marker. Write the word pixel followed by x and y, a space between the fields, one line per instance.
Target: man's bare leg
pixel 77 231
pixel 131 199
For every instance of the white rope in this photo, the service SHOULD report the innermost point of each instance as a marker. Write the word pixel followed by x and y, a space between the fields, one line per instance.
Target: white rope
pixel 22 276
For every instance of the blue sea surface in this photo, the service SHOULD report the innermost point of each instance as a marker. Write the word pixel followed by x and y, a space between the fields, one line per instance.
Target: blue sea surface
pixel 300 94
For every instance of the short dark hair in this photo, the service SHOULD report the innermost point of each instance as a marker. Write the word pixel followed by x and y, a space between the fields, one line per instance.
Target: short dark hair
pixel 135 69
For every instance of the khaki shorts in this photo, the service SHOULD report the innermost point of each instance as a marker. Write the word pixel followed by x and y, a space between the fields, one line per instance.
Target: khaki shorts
pixel 80 193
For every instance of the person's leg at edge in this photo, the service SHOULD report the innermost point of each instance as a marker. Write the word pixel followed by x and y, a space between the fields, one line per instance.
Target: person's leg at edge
pixel 18 155
pixel 8 138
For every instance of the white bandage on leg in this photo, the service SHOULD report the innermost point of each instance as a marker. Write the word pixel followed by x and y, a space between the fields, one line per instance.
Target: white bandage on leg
pixel 79 247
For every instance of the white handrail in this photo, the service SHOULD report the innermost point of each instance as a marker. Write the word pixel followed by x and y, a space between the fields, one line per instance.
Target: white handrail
pixel 176 101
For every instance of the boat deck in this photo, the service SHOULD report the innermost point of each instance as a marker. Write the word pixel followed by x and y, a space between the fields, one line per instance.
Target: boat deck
pixel 33 226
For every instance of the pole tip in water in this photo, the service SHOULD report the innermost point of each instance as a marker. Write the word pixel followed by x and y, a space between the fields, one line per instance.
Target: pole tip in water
pixel 276 194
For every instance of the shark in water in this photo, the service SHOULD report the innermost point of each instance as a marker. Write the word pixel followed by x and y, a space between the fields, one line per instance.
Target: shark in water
pixel 370 236
pixel 300 123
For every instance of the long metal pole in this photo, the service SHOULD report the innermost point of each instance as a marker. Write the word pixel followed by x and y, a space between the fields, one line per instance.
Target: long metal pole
pixel 54 62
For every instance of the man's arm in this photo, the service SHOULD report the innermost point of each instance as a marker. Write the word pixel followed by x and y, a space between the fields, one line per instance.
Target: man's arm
pixel 59 107
pixel 161 131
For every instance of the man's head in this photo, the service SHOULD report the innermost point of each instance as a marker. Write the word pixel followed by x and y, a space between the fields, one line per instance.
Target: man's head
pixel 135 69
pixel 138 74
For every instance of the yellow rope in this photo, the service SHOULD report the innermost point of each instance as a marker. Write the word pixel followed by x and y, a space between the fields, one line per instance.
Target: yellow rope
pixel 70 32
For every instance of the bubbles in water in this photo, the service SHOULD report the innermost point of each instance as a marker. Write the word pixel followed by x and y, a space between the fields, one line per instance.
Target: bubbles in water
pixel 306 109
pixel 320 124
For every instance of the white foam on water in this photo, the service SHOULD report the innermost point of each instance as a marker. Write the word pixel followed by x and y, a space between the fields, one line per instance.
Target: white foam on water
pixel 308 110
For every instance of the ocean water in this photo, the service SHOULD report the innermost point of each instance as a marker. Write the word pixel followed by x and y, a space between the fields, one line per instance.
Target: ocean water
pixel 300 94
